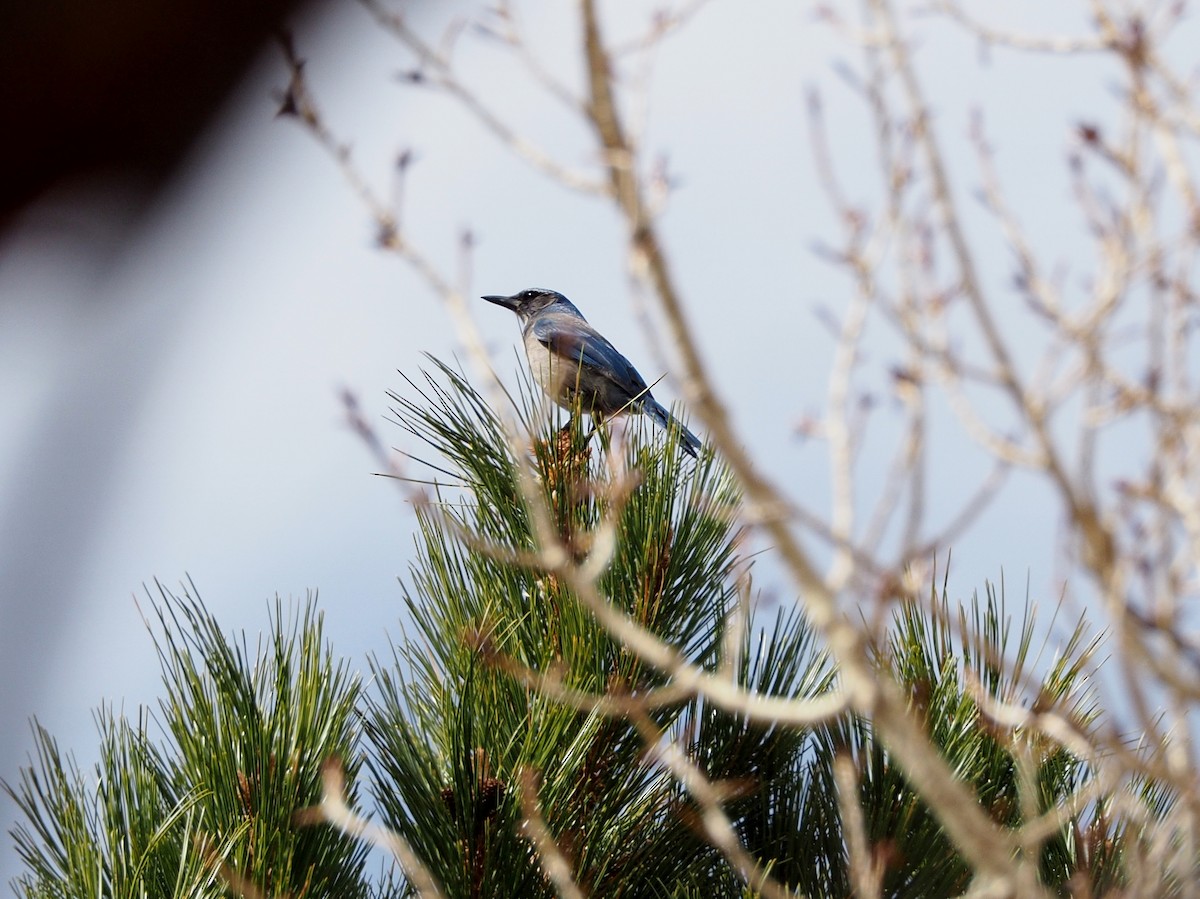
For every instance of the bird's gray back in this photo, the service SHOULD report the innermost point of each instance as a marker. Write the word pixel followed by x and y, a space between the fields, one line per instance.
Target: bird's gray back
pixel 568 356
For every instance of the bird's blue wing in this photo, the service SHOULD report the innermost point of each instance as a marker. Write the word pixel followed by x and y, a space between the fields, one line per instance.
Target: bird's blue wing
pixel 579 343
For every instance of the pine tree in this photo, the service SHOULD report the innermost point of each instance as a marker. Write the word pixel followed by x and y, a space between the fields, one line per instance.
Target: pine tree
pixel 511 732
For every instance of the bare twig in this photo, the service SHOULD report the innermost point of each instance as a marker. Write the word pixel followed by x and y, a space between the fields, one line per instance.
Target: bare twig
pixel 866 870
pixel 334 810
pixel 554 863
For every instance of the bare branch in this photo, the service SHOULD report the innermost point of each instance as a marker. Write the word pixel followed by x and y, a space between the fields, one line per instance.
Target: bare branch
pixel 554 863
pixel 866 870
pixel 334 810
pixel 437 70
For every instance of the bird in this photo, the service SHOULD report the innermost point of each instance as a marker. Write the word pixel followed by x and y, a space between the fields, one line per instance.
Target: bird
pixel 577 367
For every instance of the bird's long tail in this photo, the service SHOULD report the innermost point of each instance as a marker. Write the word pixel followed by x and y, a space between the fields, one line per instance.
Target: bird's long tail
pixel 688 441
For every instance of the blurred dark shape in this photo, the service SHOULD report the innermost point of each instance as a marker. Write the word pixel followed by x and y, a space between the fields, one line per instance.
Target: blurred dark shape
pixel 100 103
pixel 116 87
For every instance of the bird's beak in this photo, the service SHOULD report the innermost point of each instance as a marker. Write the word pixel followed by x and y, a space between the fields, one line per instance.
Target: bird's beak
pixel 506 302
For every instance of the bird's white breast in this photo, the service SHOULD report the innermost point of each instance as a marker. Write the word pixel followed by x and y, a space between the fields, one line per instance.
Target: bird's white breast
pixel 551 373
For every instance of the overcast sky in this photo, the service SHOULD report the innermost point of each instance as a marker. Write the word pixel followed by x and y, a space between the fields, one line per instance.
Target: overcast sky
pixel 170 385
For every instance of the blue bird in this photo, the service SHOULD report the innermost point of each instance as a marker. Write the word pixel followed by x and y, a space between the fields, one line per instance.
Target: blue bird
pixel 574 363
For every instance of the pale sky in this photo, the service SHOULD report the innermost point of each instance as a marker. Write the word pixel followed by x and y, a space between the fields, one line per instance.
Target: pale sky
pixel 171 386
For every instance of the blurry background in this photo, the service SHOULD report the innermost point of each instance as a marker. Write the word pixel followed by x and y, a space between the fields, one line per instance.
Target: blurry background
pixel 186 283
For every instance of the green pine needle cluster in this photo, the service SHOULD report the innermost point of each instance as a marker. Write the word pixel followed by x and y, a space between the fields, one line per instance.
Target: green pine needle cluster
pixel 455 743
pixel 201 792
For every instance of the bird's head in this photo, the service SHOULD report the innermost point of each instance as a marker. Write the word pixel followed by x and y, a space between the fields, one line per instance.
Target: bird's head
pixel 530 302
